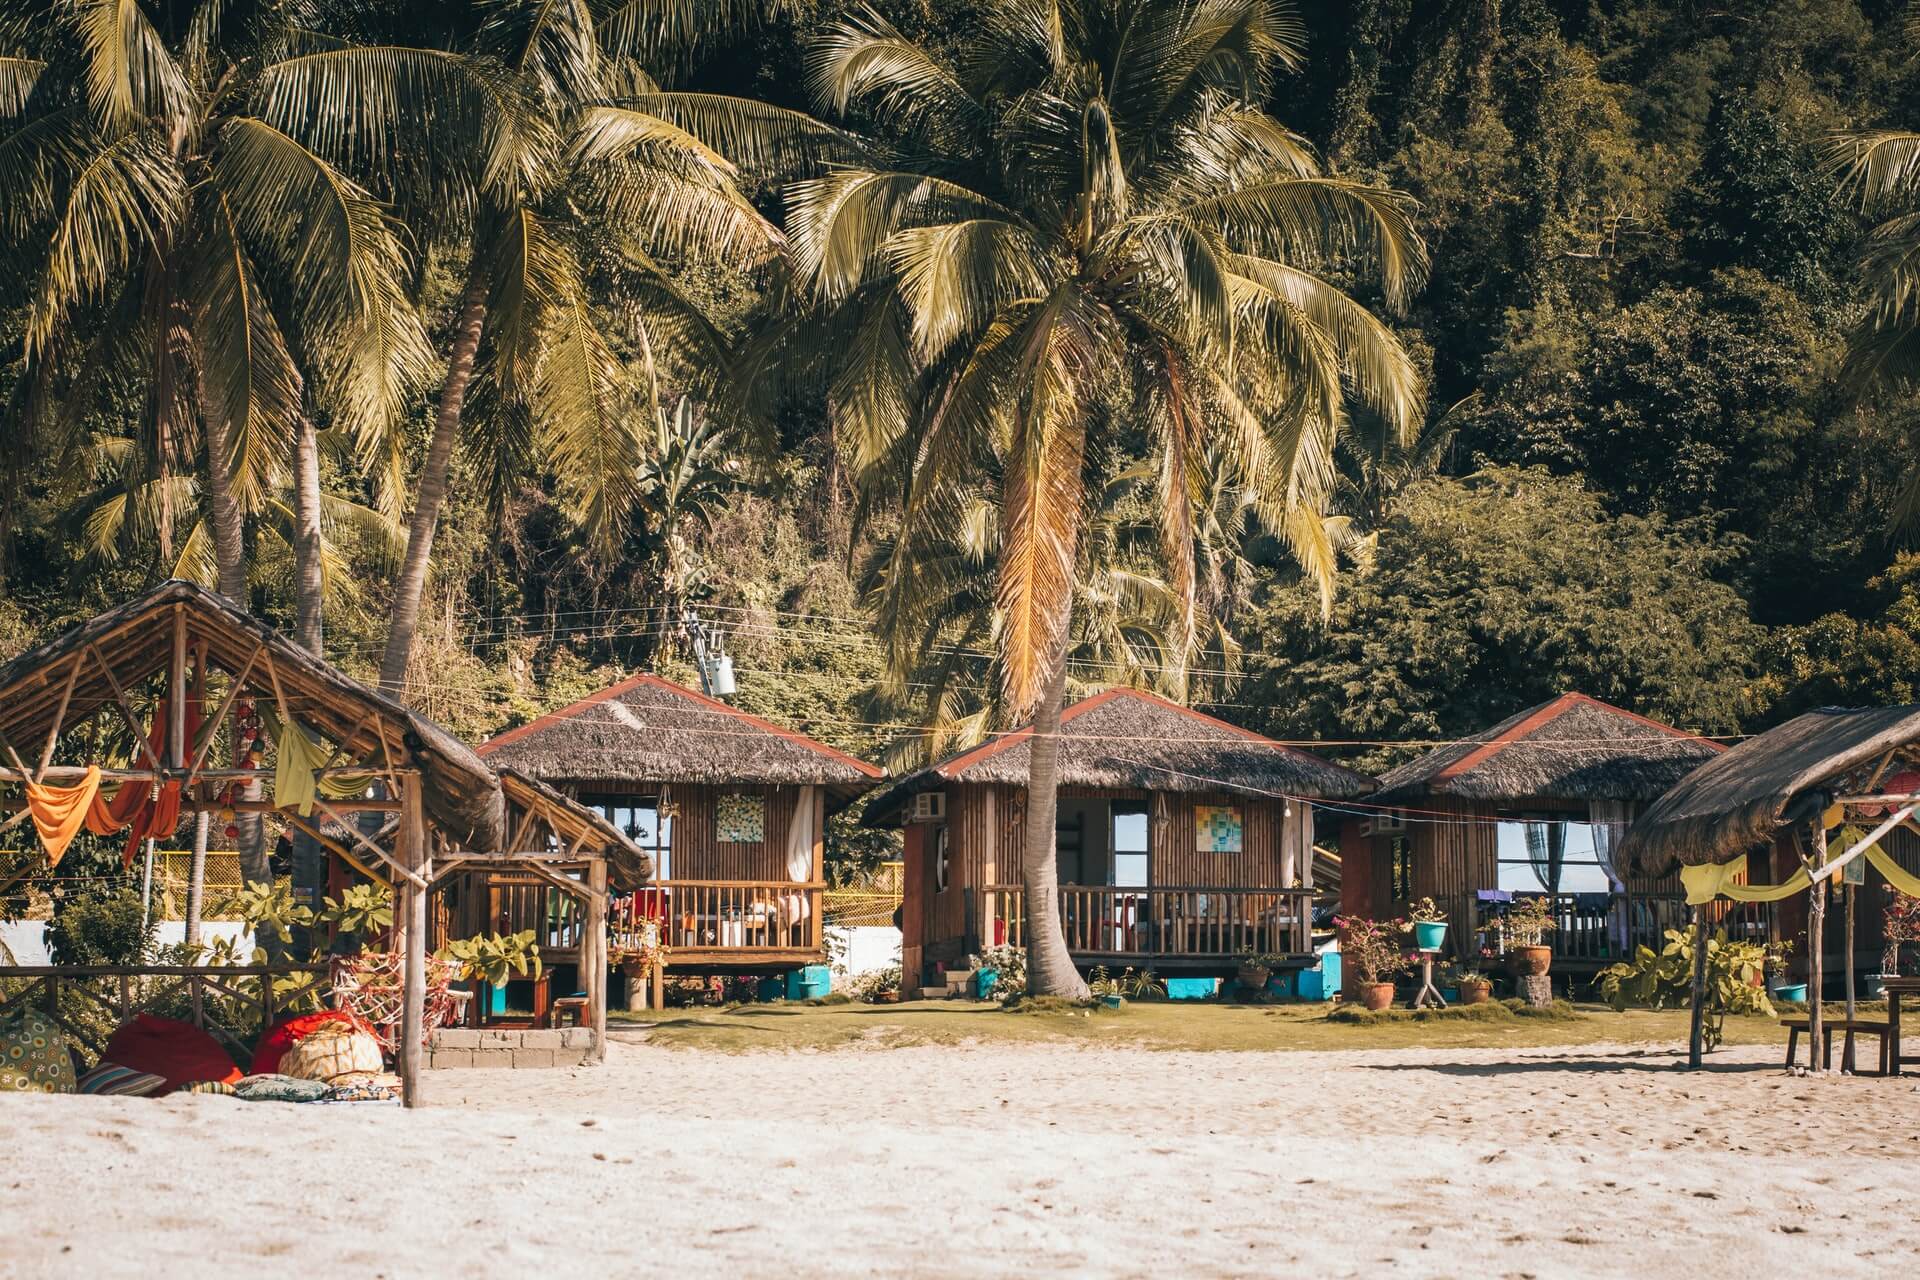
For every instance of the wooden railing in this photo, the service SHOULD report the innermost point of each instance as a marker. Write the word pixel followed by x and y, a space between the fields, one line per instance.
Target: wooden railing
pixel 728 915
pixel 233 1003
pixel 507 903
pixel 1592 928
pixel 1162 921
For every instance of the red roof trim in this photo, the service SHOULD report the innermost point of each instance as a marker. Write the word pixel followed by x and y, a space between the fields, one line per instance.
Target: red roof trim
pixel 968 759
pixel 645 678
pixel 1546 715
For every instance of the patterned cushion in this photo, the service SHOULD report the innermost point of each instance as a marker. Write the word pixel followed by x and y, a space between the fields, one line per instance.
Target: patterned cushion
pixel 111 1077
pixel 208 1086
pixel 280 1089
pixel 366 1091
pixel 330 1052
pixel 33 1055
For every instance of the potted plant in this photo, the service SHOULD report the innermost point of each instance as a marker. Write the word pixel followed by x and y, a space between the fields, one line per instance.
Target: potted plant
pixel 1902 917
pixel 1255 970
pixel 1527 923
pixel 1429 925
pixel 1372 949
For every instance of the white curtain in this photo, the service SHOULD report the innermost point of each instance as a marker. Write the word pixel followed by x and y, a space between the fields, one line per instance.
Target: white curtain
pixel 806 814
pixel 1609 820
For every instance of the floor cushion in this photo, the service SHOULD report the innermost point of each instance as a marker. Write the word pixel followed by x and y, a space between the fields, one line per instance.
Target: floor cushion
pixel 208 1086
pixel 287 1032
pixel 111 1077
pixel 331 1052
pixel 33 1055
pixel 277 1088
pixel 177 1052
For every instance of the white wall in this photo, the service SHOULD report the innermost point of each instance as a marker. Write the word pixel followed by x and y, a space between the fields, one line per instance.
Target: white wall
pixel 869 947
pixel 25 938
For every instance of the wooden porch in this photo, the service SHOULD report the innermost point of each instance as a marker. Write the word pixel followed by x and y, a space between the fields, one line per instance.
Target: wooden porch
pixel 737 926
pixel 1594 930
pixel 1165 927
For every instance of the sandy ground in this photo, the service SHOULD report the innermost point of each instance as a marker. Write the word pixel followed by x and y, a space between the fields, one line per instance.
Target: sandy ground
pixel 993 1160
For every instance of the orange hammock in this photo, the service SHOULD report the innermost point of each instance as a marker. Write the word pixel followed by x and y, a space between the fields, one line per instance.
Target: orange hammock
pixel 60 812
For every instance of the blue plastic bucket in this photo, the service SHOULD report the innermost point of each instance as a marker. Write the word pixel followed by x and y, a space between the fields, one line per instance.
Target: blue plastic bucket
pixel 1795 992
pixel 1430 937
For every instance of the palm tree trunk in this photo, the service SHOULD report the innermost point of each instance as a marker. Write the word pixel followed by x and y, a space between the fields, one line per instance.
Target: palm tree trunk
pixel 309 579
pixel 432 490
pixel 197 877
pixel 1050 970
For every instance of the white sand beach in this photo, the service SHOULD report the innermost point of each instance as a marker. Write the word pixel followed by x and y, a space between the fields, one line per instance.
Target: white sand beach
pixel 1000 1160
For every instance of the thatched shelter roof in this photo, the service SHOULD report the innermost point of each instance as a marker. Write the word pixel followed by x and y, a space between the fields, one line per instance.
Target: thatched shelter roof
pixel 135 640
pixel 1737 801
pixel 1572 748
pixel 648 730
pixel 629 867
pixel 1126 738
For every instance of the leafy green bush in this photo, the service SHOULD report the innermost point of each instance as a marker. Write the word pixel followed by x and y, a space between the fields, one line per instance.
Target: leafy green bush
pixel 99 928
pixel 1736 979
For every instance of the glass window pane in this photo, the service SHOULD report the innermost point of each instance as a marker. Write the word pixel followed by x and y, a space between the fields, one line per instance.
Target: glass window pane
pixel 1130 870
pixel 1129 830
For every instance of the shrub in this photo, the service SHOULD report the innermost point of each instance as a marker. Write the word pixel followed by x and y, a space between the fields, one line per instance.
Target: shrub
pixel 99 928
pixel 1664 979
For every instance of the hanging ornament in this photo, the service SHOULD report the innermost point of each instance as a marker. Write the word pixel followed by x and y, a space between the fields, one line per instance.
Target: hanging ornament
pixel 226 813
pixel 233 832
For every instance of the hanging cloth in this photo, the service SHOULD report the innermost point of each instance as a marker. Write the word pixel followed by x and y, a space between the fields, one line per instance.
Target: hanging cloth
pixel 297 757
pixel 59 813
pixel 1546 850
pixel 800 835
pixel 143 810
pixel 1712 880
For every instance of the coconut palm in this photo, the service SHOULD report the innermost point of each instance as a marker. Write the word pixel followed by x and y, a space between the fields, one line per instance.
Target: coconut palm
pixel 624 184
pixel 1093 236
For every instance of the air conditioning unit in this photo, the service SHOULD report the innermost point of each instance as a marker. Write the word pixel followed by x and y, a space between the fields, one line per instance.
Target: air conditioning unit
pixel 1388 823
pixel 929 806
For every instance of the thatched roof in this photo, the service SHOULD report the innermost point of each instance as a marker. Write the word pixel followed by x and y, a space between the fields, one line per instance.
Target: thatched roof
pixel 1125 738
pixel 1572 748
pixel 1737 801
pixel 629 867
pixel 136 639
pixel 648 730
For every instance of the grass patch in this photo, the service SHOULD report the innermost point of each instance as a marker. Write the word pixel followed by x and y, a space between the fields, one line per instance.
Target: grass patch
pixel 1153 1025
pixel 1490 1011
pixel 1056 1005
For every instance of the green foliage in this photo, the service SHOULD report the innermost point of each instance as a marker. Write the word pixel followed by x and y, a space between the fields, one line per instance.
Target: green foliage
pixel 99 928
pixel 495 958
pixel 269 910
pixel 1736 974
pixel 360 911
pixel 1495 1011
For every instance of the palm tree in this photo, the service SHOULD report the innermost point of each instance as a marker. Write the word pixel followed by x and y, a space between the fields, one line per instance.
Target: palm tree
pixel 622 183
pixel 1092 235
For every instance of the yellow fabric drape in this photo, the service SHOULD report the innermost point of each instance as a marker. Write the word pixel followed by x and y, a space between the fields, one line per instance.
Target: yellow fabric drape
pixel 1715 880
pixel 296 757
pixel 60 812
pixel 1712 880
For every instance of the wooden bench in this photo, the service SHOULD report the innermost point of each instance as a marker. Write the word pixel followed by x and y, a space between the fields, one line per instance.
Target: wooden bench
pixel 1870 1026
pixel 570 1010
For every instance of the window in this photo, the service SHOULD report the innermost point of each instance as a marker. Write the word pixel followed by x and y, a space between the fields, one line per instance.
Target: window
pixel 1130 849
pixel 639 819
pixel 1400 867
pixel 1550 854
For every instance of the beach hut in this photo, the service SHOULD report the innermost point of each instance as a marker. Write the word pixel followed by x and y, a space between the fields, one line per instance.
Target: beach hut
pixel 1533 807
pixel 730 808
pixel 1182 841
pixel 172 667
pixel 1760 822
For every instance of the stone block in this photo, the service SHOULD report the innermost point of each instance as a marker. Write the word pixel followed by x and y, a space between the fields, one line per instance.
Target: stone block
pixel 456 1038
pixel 548 1039
pixel 532 1058
pixel 500 1039
pixel 495 1059
pixel 450 1058
pixel 576 1038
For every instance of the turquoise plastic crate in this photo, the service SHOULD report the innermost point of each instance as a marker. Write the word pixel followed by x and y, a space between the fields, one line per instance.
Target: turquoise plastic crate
pixel 1192 988
pixel 1322 982
pixel 810 983
pixel 772 988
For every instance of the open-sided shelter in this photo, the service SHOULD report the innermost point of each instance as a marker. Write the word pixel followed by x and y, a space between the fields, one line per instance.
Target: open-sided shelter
pixel 1534 806
pixel 1181 841
pixel 1760 821
pixel 731 808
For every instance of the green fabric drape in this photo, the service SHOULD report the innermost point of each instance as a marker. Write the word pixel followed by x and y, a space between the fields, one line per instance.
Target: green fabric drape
pixel 297 756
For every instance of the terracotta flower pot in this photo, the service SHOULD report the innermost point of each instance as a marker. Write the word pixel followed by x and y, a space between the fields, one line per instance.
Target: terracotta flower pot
pixel 1375 996
pixel 1254 976
pixel 1530 962
pixel 1475 992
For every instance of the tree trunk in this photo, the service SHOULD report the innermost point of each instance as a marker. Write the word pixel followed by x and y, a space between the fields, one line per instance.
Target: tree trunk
pixel 431 492
pixel 1816 949
pixel 1697 1002
pixel 309 575
pixel 1050 970
pixel 197 877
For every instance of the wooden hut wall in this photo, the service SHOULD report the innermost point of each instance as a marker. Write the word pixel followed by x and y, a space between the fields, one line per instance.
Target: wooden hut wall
pixel 698 853
pixel 1174 853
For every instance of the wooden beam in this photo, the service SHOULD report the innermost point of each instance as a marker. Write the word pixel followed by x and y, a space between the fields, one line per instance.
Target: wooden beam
pixel 335 847
pixel 1697 1004
pixel 1816 946
pixel 1879 770
pixel 12 755
pixel 126 711
pixel 177 692
pixel 593 957
pixel 226 705
pixel 59 717
pixel 406 871
pixel 413 926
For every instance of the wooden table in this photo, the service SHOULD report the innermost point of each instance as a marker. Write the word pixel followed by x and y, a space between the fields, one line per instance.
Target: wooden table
pixel 1897 988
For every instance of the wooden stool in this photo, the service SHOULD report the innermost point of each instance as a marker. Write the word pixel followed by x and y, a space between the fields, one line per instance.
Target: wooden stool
pixel 1858 1026
pixel 570 1010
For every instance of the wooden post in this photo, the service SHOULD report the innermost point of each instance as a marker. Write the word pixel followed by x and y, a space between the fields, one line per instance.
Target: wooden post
pixel 411 923
pixel 1846 1054
pixel 177 694
pixel 1697 1033
pixel 593 955
pixel 1816 947
pixel 658 980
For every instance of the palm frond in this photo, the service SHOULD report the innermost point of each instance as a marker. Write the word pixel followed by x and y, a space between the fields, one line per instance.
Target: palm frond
pixel 839 224
pixel 130 76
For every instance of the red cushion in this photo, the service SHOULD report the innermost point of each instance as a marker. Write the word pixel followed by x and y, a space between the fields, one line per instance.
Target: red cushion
pixel 178 1052
pixel 288 1032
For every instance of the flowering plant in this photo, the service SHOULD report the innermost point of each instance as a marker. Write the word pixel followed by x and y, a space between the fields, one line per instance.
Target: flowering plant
pixel 1425 912
pixel 1372 948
